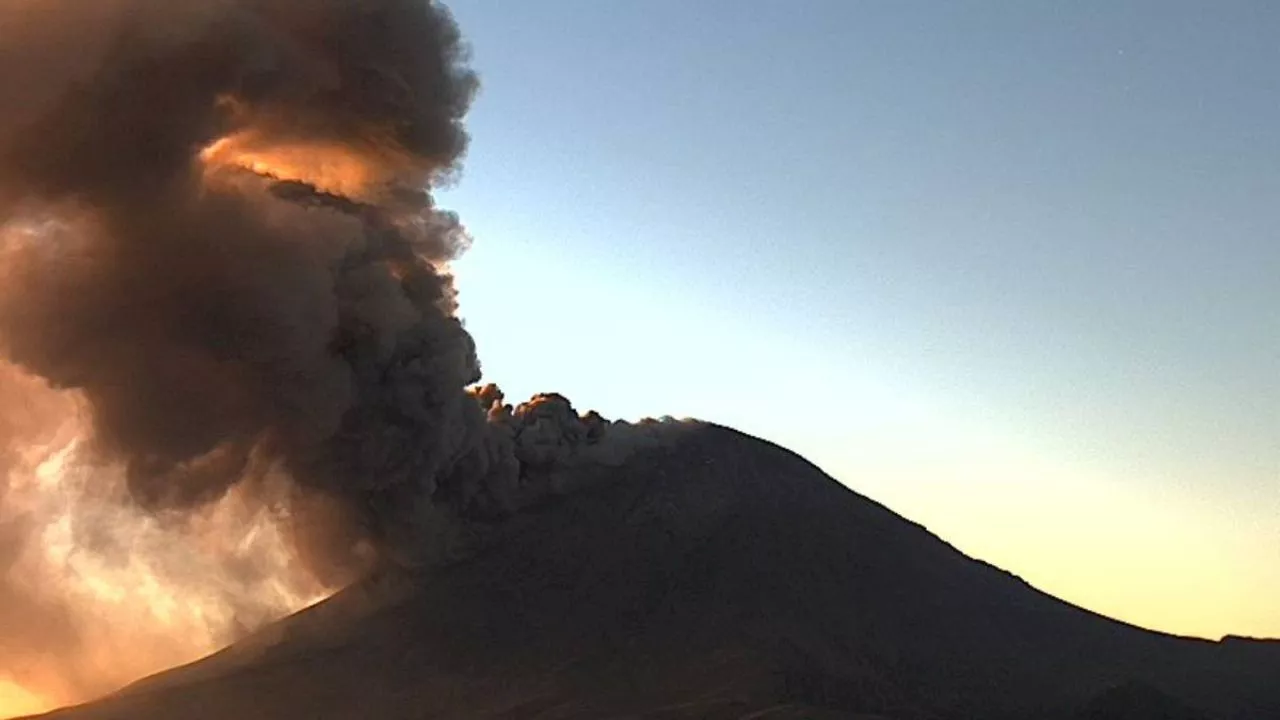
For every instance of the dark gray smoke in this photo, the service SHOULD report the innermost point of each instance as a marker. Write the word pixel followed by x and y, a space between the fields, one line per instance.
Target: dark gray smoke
pixel 218 243
pixel 212 327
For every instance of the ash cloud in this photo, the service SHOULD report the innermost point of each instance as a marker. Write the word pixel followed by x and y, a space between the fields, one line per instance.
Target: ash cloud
pixel 214 329
pixel 96 591
pixel 220 255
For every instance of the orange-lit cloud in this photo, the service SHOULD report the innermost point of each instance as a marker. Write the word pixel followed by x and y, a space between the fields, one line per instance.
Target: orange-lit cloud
pixel 16 701
pixel 352 171
pixel 96 592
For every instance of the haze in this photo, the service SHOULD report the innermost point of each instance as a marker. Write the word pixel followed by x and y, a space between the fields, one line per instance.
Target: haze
pixel 1007 267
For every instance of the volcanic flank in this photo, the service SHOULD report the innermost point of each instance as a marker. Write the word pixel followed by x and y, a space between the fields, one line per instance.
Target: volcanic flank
pixel 712 576
pixel 233 381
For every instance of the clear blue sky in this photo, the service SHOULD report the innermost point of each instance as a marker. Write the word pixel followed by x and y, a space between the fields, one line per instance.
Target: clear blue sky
pixel 1008 267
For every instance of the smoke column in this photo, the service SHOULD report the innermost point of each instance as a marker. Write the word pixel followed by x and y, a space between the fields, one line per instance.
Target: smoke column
pixel 232 379
pixel 224 315
pixel 211 327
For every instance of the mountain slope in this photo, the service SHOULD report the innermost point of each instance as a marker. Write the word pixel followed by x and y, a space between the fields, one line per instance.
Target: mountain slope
pixel 718 577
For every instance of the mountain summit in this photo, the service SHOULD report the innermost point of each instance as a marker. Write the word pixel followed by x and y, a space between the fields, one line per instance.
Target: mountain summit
pixel 714 576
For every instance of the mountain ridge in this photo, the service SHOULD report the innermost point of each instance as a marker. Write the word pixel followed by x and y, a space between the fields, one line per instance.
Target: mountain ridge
pixel 716 576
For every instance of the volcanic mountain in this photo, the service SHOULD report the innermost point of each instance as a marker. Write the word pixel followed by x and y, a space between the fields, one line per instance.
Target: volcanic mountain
pixel 712 576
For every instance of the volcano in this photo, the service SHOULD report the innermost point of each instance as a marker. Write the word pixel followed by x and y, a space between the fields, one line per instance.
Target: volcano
pixel 714 576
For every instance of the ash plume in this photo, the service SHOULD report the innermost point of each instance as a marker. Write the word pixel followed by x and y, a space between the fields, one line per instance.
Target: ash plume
pixel 226 313
pixel 213 329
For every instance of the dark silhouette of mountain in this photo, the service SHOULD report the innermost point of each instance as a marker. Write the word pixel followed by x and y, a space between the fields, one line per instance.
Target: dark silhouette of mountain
pixel 717 577
pixel 1137 701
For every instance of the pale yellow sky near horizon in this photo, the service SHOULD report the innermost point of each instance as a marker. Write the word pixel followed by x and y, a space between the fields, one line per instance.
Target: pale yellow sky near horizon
pixel 1108 543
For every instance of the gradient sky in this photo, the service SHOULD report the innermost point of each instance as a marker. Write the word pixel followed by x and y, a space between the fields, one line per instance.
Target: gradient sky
pixel 1009 268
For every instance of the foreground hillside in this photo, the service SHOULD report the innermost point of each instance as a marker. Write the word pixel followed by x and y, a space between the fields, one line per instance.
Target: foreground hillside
pixel 718 577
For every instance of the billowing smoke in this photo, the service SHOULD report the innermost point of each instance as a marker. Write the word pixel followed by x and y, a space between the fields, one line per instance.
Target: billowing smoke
pixel 221 261
pixel 210 326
